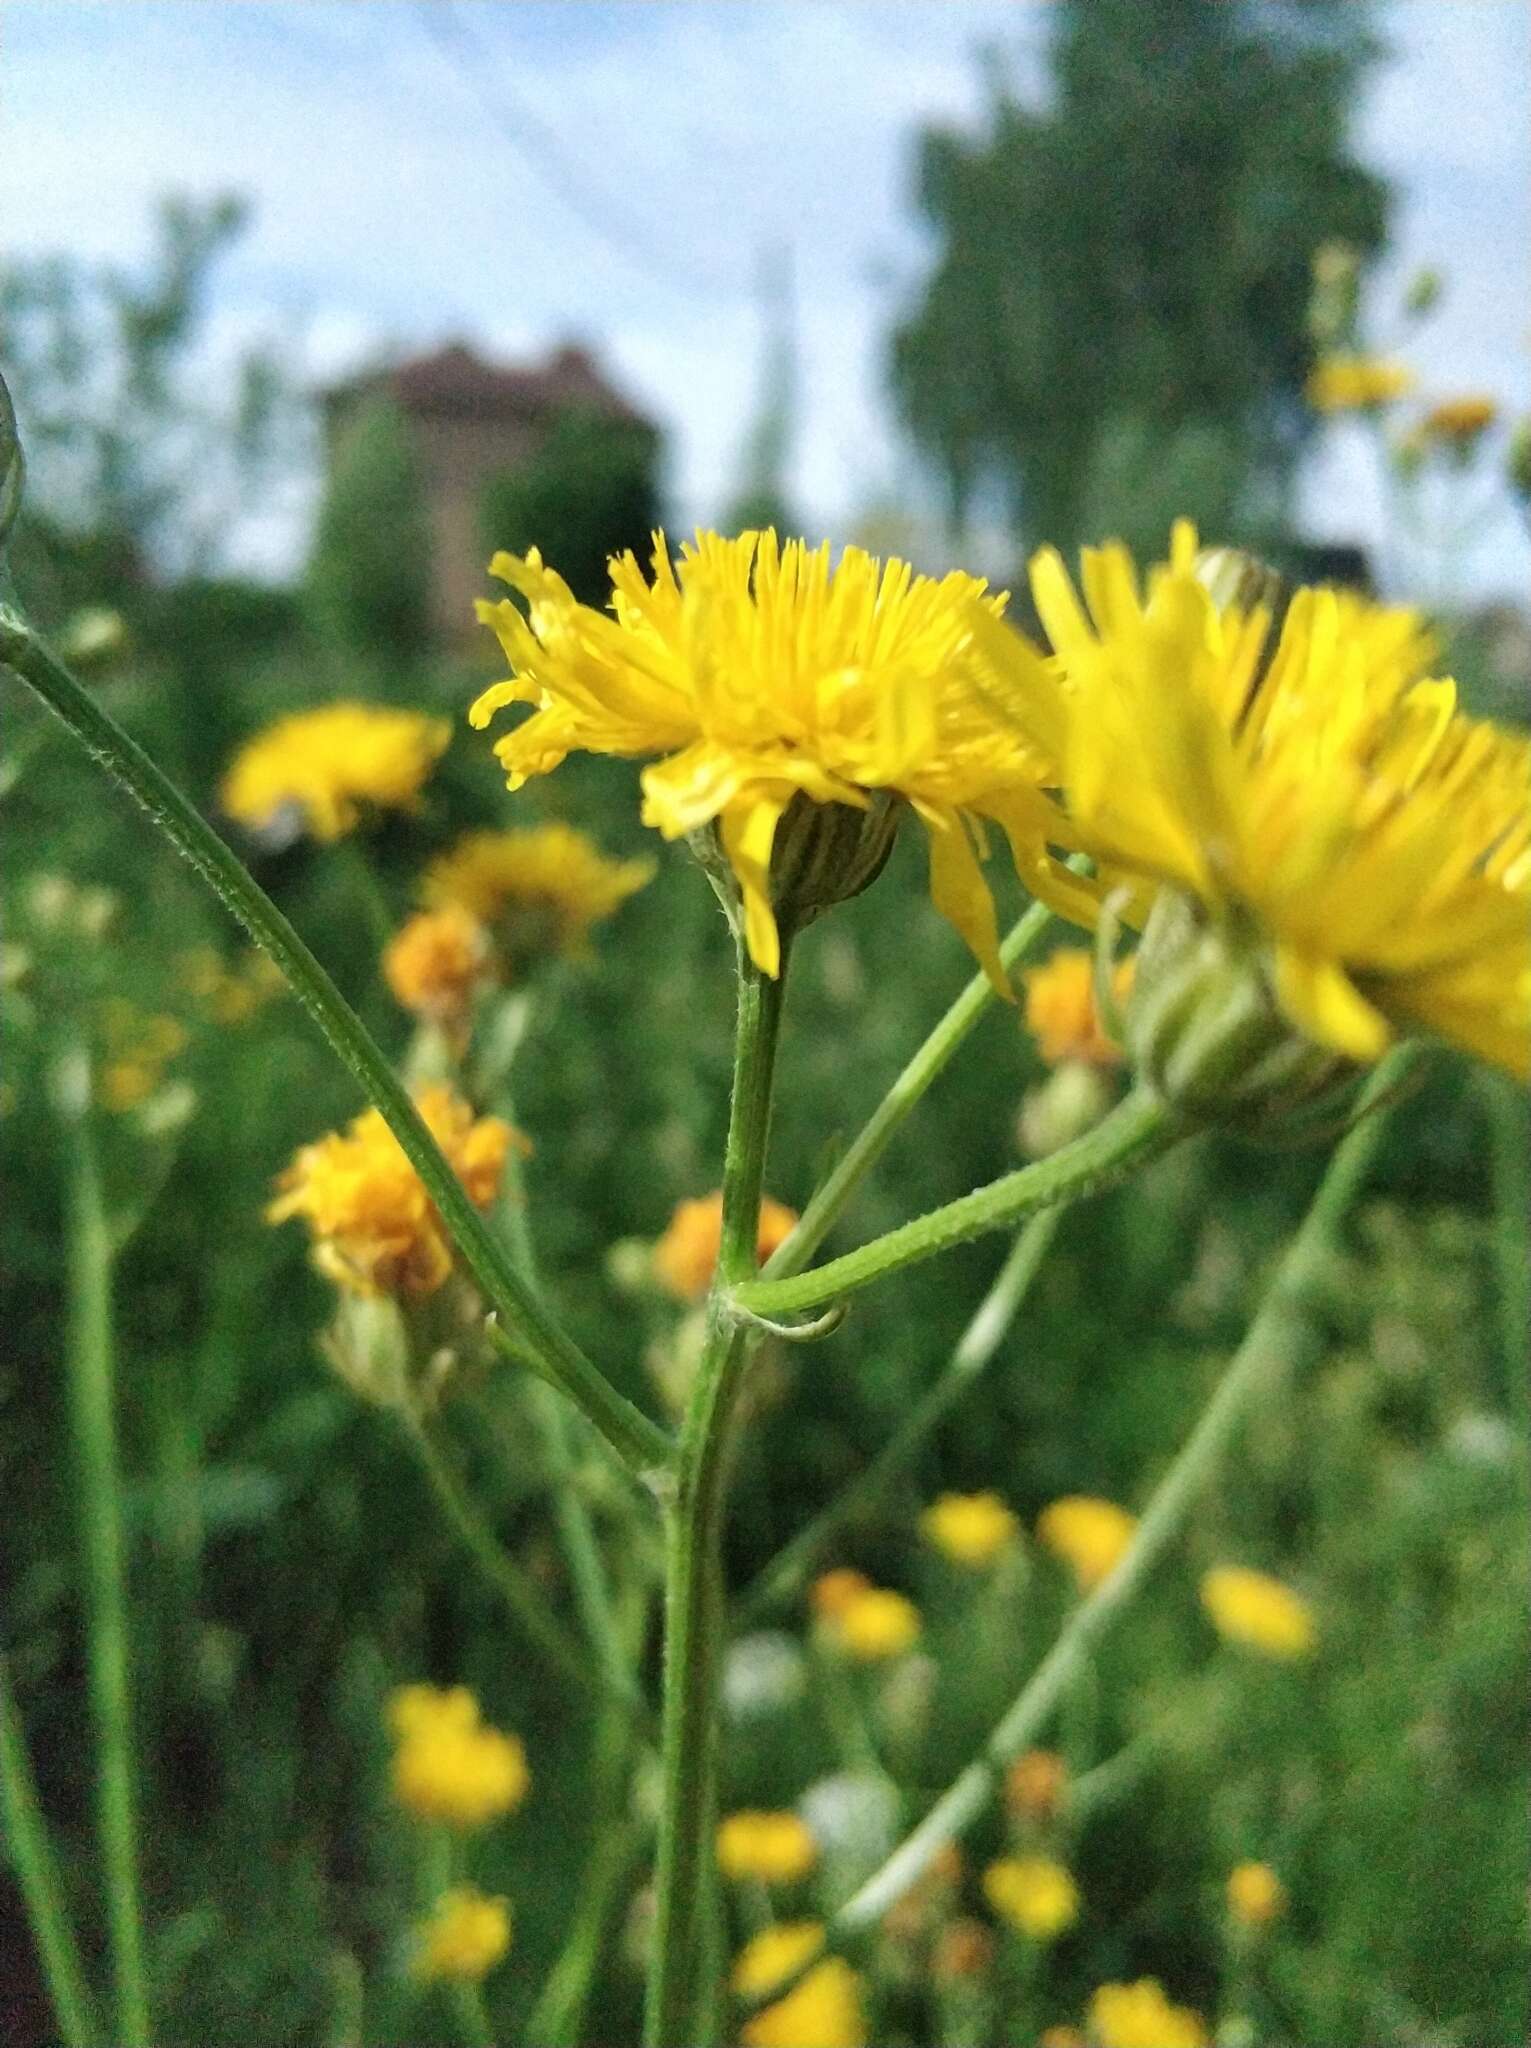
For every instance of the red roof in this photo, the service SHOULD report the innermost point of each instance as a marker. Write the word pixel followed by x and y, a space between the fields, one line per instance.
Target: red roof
pixel 454 382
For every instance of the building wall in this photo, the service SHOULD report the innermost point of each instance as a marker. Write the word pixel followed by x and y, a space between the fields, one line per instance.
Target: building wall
pixel 458 457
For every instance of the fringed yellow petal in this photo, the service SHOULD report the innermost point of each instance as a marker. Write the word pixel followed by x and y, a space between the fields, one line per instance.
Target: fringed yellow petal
pixel 749 832
pixel 960 893
pixel 1325 1003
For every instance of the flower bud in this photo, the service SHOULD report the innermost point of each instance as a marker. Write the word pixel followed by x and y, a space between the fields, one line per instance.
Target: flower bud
pixel 823 854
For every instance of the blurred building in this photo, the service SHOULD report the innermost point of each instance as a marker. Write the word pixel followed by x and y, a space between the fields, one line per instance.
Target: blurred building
pixel 472 422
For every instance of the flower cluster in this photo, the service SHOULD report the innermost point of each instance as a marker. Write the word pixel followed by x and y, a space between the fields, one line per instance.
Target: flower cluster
pixel 322 767
pixel 826 2009
pixel 375 1229
pixel 448 1766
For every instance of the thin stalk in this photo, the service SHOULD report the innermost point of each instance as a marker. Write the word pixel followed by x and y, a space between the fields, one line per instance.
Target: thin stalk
pixel 91 1369
pixel 31 1856
pixel 926 1067
pixel 1268 1351
pixel 679 2008
pixel 977 1346
pixel 1136 1131
pixel 1509 1134
pixel 640 1442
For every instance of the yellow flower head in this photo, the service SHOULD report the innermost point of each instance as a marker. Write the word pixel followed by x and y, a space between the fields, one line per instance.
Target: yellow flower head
pixel 970 1528
pixel 1325 808
pixel 771 1848
pixel 1035 1895
pixel 326 764
pixel 1035 1784
pixel 1061 1013
pixel 545 885
pixel 1258 1612
pixel 434 961
pixel 687 1254
pixel 1088 1535
pixel 826 2010
pixel 375 1229
pixel 1140 2016
pixel 1460 419
pixel 447 1765
pixel 1349 383
pixel 874 1625
pixel 466 1936
pixel 759 673
pixel 1256 1896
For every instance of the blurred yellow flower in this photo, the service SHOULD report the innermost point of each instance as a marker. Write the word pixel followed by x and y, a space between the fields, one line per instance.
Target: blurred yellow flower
pixel 327 764
pixel 1140 2016
pixel 138 1046
pixel 1035 1784
pixel 875 1625
pixel 1256 1896
pixel 1060 1008
pixel 762 674
pixel 1352 383
pixel 435 960
pixel 1089 1535
pixel 1258 1612
pixel 686 1256
pixel 448 1766
pixel 1061 2037
pixel 544 885
pixel 1035 1895
pixel 375 1229
pixel 1326 816
pixel 1460 419
pixel 970 1528
pixel 826 2010
pixel 771 1848
pixel 835 1590
pixel 466 1936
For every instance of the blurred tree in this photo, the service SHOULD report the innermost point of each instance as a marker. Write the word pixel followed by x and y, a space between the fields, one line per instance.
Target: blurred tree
pixel 1116 316
pixel 590 491
pixel 762 498
pixel 139 459
pixel 369 578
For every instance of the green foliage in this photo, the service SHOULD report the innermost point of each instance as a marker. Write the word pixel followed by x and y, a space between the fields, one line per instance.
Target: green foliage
pixel 590 491
pixel 368 585
pixel 1121 281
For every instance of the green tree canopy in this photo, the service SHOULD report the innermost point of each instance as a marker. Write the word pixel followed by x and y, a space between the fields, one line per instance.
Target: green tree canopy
pixel 1121 281
pixel 590 492
pixel 369 575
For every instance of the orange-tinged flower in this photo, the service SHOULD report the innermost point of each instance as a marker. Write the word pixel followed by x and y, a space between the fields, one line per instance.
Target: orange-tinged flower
pixel 875 1625
pixel 1089 1535
pixel 328 765
pixel 835 1590
pixel 1460 419
pixel 686 1256
pixel 434 962
pixel 1035 1784
pixel 1061 1012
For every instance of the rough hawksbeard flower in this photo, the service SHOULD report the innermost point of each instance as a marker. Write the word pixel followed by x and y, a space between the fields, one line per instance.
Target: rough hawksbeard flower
pixel 322 767
pixel 1314 799
pixel 545 885
pixel 1350 383
pixel 766 680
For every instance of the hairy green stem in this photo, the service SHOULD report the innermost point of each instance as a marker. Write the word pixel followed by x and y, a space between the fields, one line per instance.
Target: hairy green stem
pixel 1137 1130
pixel 636 1439
pixel 679 2006
pixel 926 1066
pixel 31 1855
pixel 91 1369
pixel 976 1347
pixel 1271 1346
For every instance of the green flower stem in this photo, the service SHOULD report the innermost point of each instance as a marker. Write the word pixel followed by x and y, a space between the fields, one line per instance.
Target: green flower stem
pixel 1275 1339
pixel 31 1855
pixel 980 1341
pixel 640 1442
pixel 90 1371
pixel 927 1065
pixel 1136 1131
pixel 679 2007
pixel 1509 1133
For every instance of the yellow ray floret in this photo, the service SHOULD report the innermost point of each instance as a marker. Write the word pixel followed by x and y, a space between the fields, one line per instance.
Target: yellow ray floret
pixel 328 764
pixel 1312 787
pixel 550 882
pixel 757 673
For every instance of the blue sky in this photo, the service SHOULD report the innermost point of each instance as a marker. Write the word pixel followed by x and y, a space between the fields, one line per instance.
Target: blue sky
pixel 393 207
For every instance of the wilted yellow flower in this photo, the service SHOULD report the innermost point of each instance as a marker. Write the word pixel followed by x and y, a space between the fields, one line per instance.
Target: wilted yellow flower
pixel 1259 1612
pixel 1348 383
pixel 969 1528
pixel 1460 419
pixel 761 674
pixel 544 885
pixel 772 1848
pixel 963 1949
pixel 327 764
pixel 1140 2016
pixel 825 2011
pixel 434 961
pixel 1089 1535
pixel 375 1229
pixel 686 1257
pixel 1333 829
pixel 1036 1895
pixel 448 1766
pixel 466 1936
pixel 875 1625
pixel 1060 1008
pixel 1035 1784
pixel 1256 1896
